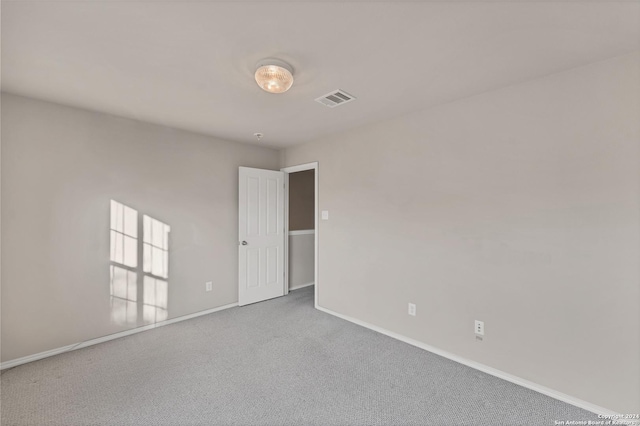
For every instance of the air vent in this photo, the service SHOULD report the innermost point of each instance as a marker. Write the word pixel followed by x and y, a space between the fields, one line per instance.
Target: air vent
pixel 335 98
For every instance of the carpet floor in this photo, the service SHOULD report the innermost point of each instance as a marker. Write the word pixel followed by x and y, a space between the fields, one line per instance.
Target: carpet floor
pixel 279 362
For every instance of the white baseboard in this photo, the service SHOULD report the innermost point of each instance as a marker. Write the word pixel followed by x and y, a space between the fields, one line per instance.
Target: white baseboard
pixel 480 367
pixel 52 352
pixel 301 286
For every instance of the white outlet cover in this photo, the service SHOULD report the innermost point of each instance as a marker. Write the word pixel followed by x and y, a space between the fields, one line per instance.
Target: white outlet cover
pixel 412 309
pixel 325 214
pixel 479 328
pixel 208 286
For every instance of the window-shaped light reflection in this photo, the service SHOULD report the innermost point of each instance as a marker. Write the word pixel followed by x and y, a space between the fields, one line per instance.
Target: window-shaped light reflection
pixel 156 247
pixel 124 295
pixel 156 292
pixel 132 300
pixel 124 234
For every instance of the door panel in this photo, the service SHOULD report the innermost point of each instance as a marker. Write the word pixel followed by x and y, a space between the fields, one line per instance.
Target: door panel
pixel 272 265
pixel 253 206
pixel 253 267
pixel 261 235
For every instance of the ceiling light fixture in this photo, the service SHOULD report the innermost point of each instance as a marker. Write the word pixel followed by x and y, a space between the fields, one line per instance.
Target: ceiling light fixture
pixel 274 75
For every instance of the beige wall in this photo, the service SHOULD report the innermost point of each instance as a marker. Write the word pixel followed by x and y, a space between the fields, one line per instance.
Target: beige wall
pixel 518 207
pixel 301 260
pixel 301 200
pixel 60 169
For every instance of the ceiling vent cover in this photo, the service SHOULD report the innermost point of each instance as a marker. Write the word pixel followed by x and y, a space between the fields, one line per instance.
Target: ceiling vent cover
pixel 335 98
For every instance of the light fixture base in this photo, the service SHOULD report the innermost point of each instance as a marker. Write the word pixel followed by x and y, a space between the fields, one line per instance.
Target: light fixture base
pixel 276 62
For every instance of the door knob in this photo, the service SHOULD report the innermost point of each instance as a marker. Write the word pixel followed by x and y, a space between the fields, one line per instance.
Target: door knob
pixel 244 243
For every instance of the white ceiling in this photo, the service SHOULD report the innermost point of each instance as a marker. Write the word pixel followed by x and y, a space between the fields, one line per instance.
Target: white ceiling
pixel 189 64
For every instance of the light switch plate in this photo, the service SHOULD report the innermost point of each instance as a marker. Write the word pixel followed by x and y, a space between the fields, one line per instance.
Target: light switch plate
pixel 325 214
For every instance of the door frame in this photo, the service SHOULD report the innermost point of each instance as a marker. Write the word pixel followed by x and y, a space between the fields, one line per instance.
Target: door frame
pixel 292 169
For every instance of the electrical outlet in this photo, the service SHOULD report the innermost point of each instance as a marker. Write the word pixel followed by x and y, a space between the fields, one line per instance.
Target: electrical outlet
pixel 479 328
pixel 412 309
pixel 208 286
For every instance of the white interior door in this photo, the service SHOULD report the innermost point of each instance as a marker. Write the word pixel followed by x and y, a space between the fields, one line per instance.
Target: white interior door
pixel 261 235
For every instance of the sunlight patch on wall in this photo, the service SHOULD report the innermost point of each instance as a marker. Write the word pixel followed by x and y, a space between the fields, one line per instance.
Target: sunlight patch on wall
pixel 156 247
pixel 139 270
pixel 124 234
pixel 124 294
pixel 155 299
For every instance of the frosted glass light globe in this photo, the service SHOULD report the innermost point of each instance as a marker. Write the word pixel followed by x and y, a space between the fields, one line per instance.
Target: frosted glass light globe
pixel 274 76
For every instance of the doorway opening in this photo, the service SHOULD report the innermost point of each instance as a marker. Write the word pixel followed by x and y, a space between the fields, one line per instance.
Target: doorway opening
pixel 301 227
